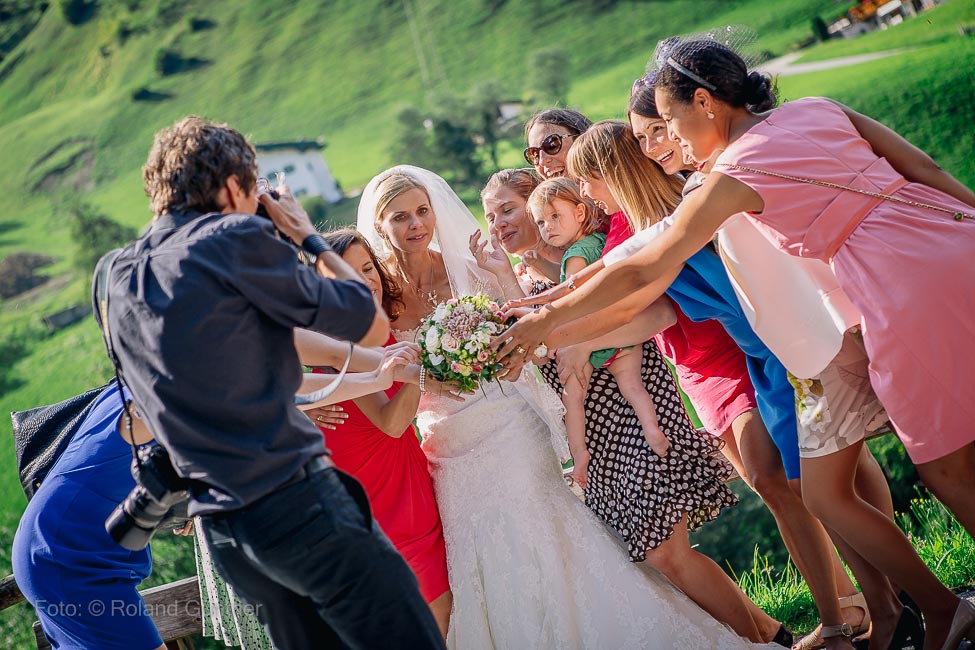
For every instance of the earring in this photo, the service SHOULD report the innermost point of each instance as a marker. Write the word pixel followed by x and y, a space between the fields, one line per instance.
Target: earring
pixel 710 115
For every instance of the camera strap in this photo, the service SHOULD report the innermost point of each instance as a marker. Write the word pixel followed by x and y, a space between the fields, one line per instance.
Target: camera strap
pixel 323 393
pixel 102 272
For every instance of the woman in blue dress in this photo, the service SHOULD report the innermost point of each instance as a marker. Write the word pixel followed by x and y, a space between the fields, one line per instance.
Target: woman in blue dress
pixel 83 584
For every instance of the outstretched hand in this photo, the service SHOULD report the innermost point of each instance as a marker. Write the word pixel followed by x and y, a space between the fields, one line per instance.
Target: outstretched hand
pixel 447 389
pixel 518 342
pixel 518 306
pixel 410 349
pixel 395 358
pixel 552 294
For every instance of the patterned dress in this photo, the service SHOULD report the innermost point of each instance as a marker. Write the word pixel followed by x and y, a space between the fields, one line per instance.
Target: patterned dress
pixel 638 493
pixel 224 615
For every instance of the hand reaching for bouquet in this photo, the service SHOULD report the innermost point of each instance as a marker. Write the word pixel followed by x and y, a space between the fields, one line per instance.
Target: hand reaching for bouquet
pixel 534 314
pixel 392 367
pixel 552 294
pixel 448 389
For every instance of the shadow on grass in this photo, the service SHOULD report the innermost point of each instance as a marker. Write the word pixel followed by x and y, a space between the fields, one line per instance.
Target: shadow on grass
pixel 5 227
pixel 145 95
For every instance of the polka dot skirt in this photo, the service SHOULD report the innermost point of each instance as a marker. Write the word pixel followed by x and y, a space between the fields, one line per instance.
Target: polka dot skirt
pixel 640 494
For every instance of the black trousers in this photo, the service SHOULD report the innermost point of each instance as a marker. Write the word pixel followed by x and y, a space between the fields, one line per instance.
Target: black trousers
pixel 318 570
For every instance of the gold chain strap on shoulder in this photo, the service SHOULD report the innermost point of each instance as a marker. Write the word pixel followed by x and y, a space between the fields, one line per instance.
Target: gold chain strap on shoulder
pixel 957 216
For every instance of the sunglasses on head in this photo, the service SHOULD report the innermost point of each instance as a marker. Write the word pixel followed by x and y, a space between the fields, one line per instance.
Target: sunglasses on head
pixel 646 81
pixel 551 145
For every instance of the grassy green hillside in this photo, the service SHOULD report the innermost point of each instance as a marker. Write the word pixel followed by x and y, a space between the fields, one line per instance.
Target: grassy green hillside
pixel 70 128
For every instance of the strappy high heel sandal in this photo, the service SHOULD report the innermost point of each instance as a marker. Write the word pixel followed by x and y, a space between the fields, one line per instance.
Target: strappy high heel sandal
pixel 857 600
pixel 814 639
pixel 830 631
pixel 962 628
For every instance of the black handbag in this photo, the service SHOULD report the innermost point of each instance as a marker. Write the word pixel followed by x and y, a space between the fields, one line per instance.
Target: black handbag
pixel 41 435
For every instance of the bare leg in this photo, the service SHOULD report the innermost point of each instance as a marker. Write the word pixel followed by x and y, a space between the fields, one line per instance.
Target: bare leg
pixel 803 534
pixel 879 593
pixel 733 455
pixel 767 626
pixel 828 490
pixel 626 370
pixel 574 400
pixel 705 583
pixel 440 607
pixel 871 484
pixel 952 480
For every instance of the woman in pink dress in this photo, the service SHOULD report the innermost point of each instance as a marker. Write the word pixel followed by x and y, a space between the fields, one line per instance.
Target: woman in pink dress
pixel 817 179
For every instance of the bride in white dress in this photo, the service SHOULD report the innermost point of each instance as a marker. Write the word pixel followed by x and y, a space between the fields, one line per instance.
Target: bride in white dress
pixel 530 566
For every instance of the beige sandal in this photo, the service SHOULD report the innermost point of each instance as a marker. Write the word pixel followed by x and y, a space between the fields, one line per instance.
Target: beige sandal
pixel 857 600
pixel 814 640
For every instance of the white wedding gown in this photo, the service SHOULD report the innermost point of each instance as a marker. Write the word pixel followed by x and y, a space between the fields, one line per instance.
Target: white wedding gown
pixel 529 565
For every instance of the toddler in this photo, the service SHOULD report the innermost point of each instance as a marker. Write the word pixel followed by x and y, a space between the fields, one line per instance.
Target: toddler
pixel 569 221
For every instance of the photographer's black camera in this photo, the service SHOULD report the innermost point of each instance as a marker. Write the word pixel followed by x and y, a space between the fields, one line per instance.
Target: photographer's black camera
pixel 158 500
pixel 261 210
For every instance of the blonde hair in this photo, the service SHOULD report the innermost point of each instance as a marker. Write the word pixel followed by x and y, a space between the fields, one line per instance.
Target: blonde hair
pixel 567 190
pixel 520 181
pixel 386 192
pixel 609 150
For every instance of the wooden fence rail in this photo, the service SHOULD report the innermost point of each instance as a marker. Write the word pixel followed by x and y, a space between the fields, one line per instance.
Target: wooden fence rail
pixel 174 607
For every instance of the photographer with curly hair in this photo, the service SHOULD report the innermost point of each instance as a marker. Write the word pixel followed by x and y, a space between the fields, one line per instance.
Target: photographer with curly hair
pixel 200 316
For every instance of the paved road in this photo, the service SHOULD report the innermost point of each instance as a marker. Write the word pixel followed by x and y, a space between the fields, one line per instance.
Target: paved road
pixel 785 66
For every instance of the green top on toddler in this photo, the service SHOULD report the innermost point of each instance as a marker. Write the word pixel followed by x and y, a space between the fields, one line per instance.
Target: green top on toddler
pixel 589 248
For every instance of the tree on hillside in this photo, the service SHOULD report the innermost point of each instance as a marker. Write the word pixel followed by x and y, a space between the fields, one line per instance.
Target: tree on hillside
pixel 317 209
pixel 442 140
pixel 94 234
pixel 454 140
pixel 549 75
pixel 482 107
pixel 412 141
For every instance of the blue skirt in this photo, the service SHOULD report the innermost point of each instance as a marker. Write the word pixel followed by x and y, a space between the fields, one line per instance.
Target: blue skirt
pixel 703 291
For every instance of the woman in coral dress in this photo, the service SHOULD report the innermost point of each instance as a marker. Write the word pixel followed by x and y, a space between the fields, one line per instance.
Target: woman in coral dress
pixel 378 445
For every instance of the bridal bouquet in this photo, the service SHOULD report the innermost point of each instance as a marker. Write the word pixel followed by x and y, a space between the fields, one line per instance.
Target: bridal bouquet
pixel 454 340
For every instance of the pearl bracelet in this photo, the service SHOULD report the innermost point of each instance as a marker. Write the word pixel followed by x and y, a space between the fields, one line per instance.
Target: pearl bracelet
pixel 423 379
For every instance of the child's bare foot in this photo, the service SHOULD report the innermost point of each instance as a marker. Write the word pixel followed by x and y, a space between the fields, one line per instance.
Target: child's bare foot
pixel 658 441
pixel 580 469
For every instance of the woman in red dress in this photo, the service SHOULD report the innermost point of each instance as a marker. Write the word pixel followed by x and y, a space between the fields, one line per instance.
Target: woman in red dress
pixel 378 445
